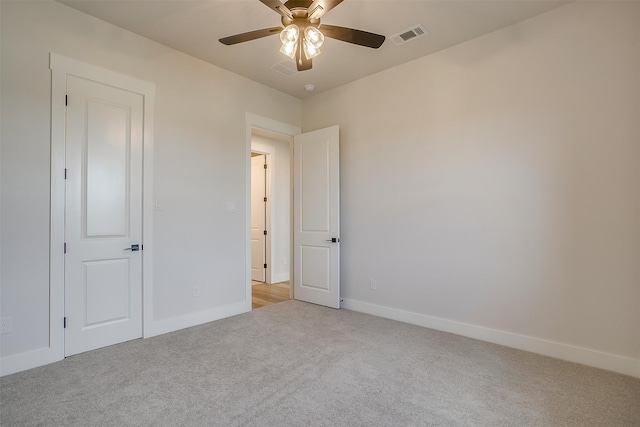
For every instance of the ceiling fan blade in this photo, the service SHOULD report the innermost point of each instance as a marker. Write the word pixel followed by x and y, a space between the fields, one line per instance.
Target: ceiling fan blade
pixel 279 7
pixel 251 35
pixel 350 35
pixel 302 63
pixel 319 7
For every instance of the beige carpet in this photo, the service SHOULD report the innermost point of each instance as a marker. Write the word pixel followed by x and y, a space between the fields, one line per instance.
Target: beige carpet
pixel 297 364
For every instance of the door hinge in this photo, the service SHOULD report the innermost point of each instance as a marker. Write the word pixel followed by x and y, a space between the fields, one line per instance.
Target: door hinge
pixel 65 323
pixel 66 100
pixel 65 173
pixel 265 232
pixel 65 247
pixel 265 266
pixel 265 199
pixel 265 165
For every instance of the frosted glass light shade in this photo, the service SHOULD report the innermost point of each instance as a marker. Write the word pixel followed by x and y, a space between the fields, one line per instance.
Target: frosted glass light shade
pixel 289 49
pixel 314 37
pixel 290 34
pixel 309 50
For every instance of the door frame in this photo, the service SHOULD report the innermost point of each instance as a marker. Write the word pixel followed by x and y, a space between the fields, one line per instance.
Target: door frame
pixel 256 121
pixel 267 212
pixel 62 66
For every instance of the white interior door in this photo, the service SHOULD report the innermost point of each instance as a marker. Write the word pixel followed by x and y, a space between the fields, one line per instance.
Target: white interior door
pixel 103 217
pixel 316 235
pixel 258 218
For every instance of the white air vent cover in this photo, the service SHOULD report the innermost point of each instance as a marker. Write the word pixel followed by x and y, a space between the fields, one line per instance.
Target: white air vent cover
pixel 286 67
pixel 408 34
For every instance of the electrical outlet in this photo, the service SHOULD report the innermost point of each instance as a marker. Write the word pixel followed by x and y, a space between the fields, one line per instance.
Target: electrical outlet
pixel 196 291
pixel 373 284
pixel 6 325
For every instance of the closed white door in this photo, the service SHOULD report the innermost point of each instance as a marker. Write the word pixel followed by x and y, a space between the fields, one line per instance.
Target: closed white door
pixel 258 218
pixel 316 233
pixel 103 217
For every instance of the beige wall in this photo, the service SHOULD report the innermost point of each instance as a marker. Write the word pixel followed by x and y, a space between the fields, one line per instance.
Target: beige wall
pixel 496 184
pixel 199 164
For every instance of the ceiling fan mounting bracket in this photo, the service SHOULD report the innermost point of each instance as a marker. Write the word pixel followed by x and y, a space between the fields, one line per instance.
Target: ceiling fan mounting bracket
pixel 301 23
pixel 298 5
pixel 300 14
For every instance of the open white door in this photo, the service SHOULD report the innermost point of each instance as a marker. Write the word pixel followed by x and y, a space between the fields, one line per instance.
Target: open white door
pixel 316 198
pixel 103 215
pixel 258 218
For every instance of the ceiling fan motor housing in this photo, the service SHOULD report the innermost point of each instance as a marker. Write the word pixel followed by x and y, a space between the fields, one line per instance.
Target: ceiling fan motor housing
pixel 301 15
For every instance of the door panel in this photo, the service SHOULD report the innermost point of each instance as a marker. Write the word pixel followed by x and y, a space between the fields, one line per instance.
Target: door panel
pixel 317 217
pixel 107 149
pixel 107 288
pixel 103 216
pixel 258 218
pixel 317 264
pixel 314 177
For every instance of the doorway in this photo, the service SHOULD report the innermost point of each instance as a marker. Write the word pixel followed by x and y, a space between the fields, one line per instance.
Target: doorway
pixel 270 222
pixel 314 174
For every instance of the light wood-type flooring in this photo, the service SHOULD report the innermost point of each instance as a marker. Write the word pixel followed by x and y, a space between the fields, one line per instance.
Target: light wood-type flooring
pixel 264 294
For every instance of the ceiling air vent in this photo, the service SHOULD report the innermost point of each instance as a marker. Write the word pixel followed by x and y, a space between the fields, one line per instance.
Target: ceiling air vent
pixel 286 67
pixel 409 34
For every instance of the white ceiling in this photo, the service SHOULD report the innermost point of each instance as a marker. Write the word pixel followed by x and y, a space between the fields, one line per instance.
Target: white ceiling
pixel 194 27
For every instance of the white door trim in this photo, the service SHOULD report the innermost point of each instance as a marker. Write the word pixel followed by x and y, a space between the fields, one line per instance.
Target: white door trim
pixel 62 66
pixel 256 121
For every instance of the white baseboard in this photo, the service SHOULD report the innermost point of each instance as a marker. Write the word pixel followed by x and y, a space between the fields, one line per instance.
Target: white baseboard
pixel 598 359
pixel 44 356
pixel 28 360
pixel 159 327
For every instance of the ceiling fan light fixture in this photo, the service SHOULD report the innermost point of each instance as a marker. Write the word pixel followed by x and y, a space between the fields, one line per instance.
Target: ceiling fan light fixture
pixel 313 39
pixel 289 49
pixel 314 36
pixel 289 37
pixel 290 34
pixel 310 51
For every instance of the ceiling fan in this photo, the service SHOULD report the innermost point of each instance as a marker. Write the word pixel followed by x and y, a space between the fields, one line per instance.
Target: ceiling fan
pixel 303 35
